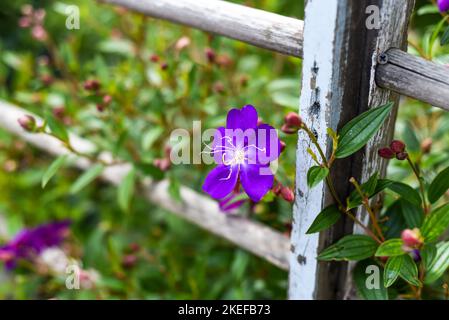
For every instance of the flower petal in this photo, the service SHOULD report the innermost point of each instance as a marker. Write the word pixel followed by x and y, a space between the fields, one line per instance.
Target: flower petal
pixel 256 180
pixel 221 181
pixel 246 118
pixel 267 138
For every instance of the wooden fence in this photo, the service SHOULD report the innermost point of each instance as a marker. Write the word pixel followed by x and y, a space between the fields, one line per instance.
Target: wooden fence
pixel 347 69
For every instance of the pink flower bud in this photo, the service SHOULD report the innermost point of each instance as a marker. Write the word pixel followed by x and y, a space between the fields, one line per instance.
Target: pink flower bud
pixel 27 122
pixel 129 261
pixel 210 55
pixel 386 153
pixel 293 120
pixel 397 146
pixel 288 130
pixel 24 22
pixel 38 32
pixel 107 99
pixel 401 155
pixel 164 66
pixel 411 238
pixel 287 194
pixel 154 58
pixel 92 85
pixel 59 112
pixel 163 164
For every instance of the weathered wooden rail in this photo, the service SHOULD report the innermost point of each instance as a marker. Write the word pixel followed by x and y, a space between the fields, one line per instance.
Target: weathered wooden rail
pixel 347 68
pixel 200 210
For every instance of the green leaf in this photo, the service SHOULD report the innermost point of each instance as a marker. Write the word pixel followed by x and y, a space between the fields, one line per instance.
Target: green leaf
pixel 57 128
pixel 406 192
pixel 413 215
pixel 351 248
pixel 150 170
pixel 409 271
pixel 392 269
pixel 361 129
pixel 390 248
pixel 428 254
pixel 174 189
pixel 150 136
pixel 52 169
pixel 368 188
pixel 86 178
pixel 439 186
pixel 438 264
pixel 435 223
pixel 325 219
pixel 315 175
pixel 126 190
pixel 445 37
pixel 369 285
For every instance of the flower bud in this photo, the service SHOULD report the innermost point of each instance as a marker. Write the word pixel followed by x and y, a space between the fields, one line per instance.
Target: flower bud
pixel 58 112
pixel 287 194
pixel 210 55
pixel 293 120
pixel 24 22
pixel 397 146
pixel 92 85
pixel 154 58
pixel 411 238
pixel 443 5
pixel 107 99
pixel 27 9
pixel 27 122
pixel 386 153
pixel 164 66
pixel 129 261
pixel 288 130
pixel 426 145
pixel 401 155
pixel 163 164
pixel 39 33
pixel 134 247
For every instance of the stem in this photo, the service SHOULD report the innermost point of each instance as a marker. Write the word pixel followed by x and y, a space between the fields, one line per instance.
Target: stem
pixel 332 189
pixel 421 185
pixel 365 202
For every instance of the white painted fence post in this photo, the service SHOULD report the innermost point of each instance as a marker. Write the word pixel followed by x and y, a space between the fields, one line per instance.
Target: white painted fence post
pixel 340 56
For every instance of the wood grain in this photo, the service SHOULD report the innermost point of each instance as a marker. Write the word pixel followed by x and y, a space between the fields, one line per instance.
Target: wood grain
pixel 194 207
pixel 415 77
pixel 257 27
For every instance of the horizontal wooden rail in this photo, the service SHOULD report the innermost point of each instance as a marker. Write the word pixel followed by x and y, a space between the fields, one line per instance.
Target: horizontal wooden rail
pixel 257 27
pixel 414 77
pixel 194 207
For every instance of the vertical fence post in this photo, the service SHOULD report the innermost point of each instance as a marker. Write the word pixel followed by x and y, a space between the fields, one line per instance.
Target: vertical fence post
pixel 342 42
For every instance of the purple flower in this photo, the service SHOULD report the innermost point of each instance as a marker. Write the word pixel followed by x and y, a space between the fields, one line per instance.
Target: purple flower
pixel 30 242
pixel 443 5
pixel 243 151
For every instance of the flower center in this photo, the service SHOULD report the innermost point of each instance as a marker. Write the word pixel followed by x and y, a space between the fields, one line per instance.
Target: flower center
pixel 239 156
